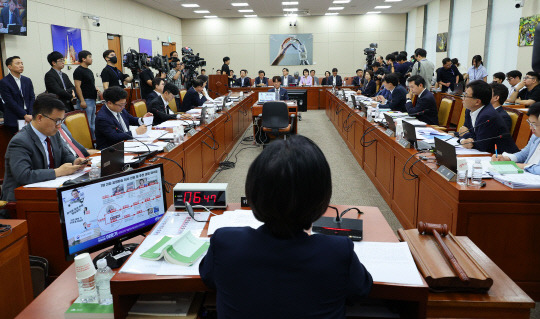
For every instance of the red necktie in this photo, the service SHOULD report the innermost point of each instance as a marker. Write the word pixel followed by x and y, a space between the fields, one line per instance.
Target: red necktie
pixel 49 150
pixel 70 143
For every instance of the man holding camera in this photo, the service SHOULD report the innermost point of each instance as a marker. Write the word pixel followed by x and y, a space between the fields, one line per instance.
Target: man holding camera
pixel 176 76
pixel 111 76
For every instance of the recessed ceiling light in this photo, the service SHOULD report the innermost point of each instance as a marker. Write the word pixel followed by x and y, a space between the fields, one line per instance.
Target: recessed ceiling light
pixel 239 4
pixel 392 0
pixel 201 11
pixel 210 17
pixel 245 10
pixel 341 1
pixel 383 7
pixel 250 15
pixel 373 12
pixel 290 3
pixel 331 14
pixel 190 5
pixel 291 15
pixel 336 8
pixel 290 9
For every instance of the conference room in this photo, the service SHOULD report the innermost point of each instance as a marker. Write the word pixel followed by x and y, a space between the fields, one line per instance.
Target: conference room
pixel 146 113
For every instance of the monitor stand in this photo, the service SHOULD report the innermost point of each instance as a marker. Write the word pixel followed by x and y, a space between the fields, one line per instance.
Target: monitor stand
pixel 117 255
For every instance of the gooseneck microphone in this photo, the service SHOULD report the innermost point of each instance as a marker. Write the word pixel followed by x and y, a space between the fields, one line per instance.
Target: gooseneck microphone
pixel 457 134
pixel 486 139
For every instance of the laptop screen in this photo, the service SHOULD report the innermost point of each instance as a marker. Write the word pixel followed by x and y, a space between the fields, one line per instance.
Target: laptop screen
pixel 390 122
pixel 445 154
pixel 266 96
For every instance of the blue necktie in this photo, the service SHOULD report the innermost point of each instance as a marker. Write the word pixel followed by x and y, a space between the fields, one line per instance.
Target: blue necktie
pixel 10 17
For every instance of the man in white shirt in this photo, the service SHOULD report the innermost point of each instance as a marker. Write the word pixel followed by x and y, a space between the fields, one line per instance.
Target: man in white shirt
pixel 529 157
pixel 513 77
pixel 287 79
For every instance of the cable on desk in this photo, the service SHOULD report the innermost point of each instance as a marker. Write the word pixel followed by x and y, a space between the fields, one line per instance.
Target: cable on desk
pixel 167 184
pixel 410 171
pixel 366 132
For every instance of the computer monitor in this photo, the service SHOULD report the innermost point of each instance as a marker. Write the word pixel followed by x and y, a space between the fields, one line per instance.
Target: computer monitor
pixel 445 154
pixel 300 96
pixel 266 97
pixel 108 210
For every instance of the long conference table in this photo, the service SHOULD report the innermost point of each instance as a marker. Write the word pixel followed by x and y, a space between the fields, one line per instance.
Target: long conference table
pixel 198 155
pixel 501 221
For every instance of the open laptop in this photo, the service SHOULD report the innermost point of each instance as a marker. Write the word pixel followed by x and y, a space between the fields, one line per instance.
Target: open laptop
pixel 203 116
pixel 112 159
pixel 266 97
pixel 353 100
pixel 390 122
pixel 445 153
pixel 409 133
pixel 458 90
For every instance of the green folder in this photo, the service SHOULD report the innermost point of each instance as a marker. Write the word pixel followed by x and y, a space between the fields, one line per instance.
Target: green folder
pixel 506 167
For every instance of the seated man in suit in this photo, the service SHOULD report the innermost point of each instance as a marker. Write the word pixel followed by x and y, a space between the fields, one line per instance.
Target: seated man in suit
pixel 158 84
pixel 483 127
pixel 287 79
pixel 335 79
pixel 37 153
pixel 113 121
pixel 160 107
pixel 243 80
pixel 281 93
pixel 17 91
pixel 358 80
pixel 315 79
pixel 10 15
pixel 398 94
pixel 425 109
pixel 261 80
pixel 500 93
pixel 57 82
pixel 246 266
pixel 529 157
pixel 194 96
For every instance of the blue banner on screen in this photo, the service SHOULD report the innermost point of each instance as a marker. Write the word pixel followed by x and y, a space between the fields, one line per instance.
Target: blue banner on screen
pixel 145 46
pixel 109 209
pixel 13 17
pixel 291 49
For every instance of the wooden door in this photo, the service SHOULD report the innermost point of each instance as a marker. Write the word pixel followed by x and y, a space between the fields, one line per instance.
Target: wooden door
pixel 114 44
pixel 168 47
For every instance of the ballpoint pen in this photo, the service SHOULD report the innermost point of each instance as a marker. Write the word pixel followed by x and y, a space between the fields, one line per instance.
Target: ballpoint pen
pixel 496 154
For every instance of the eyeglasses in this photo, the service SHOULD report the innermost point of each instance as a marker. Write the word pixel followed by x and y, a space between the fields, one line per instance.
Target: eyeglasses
pixel 121 104
pixel 464 96
pixel 60 61
pixel 57 121
pixel 533 125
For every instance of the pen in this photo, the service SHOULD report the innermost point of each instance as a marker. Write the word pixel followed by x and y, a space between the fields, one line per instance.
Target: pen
pixel 496 154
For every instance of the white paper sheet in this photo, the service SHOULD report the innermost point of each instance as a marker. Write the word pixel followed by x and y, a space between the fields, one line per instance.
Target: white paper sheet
pixel 138 147
pixel 472 151
pixel 388 262
pixel 237 218
pixel 177 123
pixel 55 183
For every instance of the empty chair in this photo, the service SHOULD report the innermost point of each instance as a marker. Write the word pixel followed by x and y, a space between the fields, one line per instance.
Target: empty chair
pixel 140 108
pixel 77 124
pixel 275 119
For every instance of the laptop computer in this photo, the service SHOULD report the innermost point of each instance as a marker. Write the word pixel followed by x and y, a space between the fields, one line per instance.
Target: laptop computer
pixel 458 90
pixel 409 133
pixel 390 122
pixel 266 97
pixel 353 100
pixel 445 154
pixel 112 159
pixel 203 116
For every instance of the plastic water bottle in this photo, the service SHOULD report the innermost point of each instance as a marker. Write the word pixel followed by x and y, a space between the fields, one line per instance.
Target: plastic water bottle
pixel 103 279
pixel 476 176
pixel 87 290
pixel 377 112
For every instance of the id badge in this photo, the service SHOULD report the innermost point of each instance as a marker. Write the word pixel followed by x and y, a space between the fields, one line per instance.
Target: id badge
pixel 120 82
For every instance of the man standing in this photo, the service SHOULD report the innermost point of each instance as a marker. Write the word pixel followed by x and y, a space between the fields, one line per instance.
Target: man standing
pixel 85 88
pixel 17 91
pixel 146 78
pixel 111 76
pixel 176 76
pixel 159 107
pixel 286 79
pixel 225 68
pixel 113 121
pixel 530 95
pixel 243 81
pixel 423 67
pixel 281 93
pixel 425 109
pixel 57 82
pixel 37 153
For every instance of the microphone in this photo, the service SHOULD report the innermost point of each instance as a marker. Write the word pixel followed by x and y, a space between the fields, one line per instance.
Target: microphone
pixel 457 134
pixel 486 139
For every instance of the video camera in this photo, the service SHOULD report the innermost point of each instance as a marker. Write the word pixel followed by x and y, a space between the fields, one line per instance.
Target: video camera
pixel 191 62
pixel 134 60
pixel 160 63
pixel 370 52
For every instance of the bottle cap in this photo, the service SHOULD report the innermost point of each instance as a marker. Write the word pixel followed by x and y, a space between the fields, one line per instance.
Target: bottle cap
pixel 102 263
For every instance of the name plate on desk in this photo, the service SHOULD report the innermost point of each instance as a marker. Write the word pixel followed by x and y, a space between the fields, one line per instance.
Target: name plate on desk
pixel 446 173
pixel 362 114
pixel 404 143
pixel 389 132
pixel 169 147
pixel 192 132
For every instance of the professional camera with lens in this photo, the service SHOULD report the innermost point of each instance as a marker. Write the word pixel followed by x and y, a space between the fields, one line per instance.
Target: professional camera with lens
pixel 135 61
pixel 160 63
pixel 370 52
pixel 191 62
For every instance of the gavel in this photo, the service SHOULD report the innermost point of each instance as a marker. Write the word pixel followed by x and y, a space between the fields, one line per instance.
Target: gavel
pixel 442 229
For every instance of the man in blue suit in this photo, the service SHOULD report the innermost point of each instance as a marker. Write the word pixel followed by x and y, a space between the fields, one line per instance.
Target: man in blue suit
pixel 335 79
pixel 113 121
pixel 261 80
pixel 483 127
pixel 358 80
pixel 194 96
pixel 529 157
pixel 10 15
pixel 398 94
pixel 17 92
pixel 243 80
pixel 281 93
pixel 425 109
pixel 287 79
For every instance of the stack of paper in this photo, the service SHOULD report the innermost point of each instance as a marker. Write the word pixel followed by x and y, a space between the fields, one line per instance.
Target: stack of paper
pixel 525 180
pixel 177 123
pixel 138 147
pixel 237 218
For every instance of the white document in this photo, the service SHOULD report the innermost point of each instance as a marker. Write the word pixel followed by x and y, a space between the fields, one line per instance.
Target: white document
pixel 138 147
pixel 237 218
pixel 175 223
pixel 127 159
pixel 177 123
pixel 467 151
pixel 21 124
pixel 57 182
pixel 388 262
pixel 525 180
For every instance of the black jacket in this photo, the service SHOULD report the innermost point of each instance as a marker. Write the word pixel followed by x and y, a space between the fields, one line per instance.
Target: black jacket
pixel 191 100
pixel 425 109
pixel 53 85
pixel 160 111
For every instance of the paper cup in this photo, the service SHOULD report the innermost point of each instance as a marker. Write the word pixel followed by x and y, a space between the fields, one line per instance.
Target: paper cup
pixel 84 267
pixel 148 120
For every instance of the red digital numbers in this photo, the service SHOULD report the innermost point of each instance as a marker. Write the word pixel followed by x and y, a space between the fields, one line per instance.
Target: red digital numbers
pixel 193 197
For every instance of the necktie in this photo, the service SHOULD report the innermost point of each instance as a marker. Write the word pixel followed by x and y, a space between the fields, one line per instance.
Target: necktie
pixel 121 121
pixel 50 151
pixel 277 94
pixel 70 143
pixel 10 17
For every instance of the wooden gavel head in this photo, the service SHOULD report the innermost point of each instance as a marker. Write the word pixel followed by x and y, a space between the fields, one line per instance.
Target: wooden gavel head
pixel 428 228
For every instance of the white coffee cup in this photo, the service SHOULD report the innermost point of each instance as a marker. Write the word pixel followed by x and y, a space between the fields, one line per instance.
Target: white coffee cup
pixel 148 120
pixel 84 268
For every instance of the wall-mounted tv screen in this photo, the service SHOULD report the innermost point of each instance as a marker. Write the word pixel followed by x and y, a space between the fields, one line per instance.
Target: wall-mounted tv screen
pixel 13 15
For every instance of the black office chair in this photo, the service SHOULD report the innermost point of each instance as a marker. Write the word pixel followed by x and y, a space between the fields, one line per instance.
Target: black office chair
pixel 275 119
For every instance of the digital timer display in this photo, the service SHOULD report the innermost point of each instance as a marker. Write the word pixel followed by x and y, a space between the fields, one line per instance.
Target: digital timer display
pixel 202 198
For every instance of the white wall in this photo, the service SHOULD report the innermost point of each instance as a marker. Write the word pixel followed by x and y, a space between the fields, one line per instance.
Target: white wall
pixel 432 30
pixel 127 18
pixel 410 44
pixel 338 41
pixel 461 25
